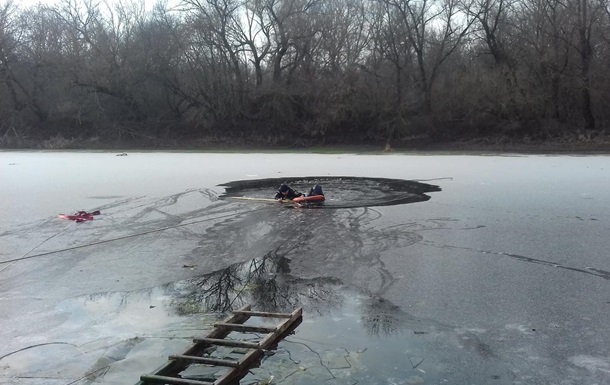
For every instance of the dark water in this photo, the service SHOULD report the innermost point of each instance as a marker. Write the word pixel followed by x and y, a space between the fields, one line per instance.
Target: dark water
pixel 341 192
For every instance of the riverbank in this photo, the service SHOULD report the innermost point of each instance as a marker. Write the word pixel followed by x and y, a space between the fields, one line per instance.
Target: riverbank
pixel 567 143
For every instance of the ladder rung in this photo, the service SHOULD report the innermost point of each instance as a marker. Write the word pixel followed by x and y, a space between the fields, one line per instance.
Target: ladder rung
pixel 267 341
pixel 234 343
pixel 229 376
pixel 205 360
pixel 172 380
pixel 169 373
pixel 262 314
pixel 245 328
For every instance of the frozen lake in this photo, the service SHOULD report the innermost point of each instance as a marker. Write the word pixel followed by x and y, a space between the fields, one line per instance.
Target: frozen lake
pixel 501 277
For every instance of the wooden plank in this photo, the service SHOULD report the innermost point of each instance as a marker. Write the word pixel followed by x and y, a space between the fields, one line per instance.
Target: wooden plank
pixel 254 355
pixel 262 199
pixel 269 340
pixel 205 360
pixel 264 314
pixel 174 367
pixel 233 343
pixel 171 380
pixel 244 328
pixel 222 329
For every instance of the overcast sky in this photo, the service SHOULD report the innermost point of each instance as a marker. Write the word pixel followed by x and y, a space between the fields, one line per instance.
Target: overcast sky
pixel 27 3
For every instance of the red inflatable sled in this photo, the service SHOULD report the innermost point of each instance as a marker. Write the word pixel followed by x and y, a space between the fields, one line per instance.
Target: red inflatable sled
pixel 80 216
pixel 304 199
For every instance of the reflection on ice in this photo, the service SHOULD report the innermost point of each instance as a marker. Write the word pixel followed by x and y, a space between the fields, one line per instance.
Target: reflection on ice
pixel 347 336
pixel 119 313
pixel 263 282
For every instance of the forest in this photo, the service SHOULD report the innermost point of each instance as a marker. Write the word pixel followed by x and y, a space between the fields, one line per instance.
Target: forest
pixel 299 73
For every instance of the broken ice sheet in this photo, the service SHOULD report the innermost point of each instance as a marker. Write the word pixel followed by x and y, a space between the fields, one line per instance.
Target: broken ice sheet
pixel 202 372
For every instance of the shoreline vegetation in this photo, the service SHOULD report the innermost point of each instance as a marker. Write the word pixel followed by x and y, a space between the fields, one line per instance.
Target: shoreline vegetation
pixel 297 74
pixel 598 142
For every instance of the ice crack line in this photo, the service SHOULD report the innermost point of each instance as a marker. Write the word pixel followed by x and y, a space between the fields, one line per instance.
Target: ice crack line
pixel 586 270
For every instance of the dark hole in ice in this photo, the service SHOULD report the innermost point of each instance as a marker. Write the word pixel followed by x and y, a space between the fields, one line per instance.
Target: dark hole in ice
pixel 340 191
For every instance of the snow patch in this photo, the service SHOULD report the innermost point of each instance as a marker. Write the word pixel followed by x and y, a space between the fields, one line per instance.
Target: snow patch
pixel 591 363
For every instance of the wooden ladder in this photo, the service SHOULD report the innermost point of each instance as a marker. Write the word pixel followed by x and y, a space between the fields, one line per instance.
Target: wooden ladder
pixel 169 373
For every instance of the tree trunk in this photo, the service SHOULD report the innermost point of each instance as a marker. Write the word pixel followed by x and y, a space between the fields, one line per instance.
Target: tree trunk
pixel 585 60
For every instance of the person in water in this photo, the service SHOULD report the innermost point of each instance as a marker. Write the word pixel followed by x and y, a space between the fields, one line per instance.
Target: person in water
pixel 286 192
pixel 315 191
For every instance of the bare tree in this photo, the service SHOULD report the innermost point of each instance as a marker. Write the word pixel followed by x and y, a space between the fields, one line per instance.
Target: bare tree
pixel 220 17
pixel 291 29
pixel 433 31
pixel 9 43
pixel 495 30
pixel 586 16
pixel 377 70
pixel 546 51
pixel 257 36
pixel 103 58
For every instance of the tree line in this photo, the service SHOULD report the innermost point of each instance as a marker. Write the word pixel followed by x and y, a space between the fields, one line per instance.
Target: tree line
pixel 300 72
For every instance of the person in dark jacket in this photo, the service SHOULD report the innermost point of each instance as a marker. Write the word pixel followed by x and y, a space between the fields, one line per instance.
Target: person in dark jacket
pixel 285 192
pixel 315 191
